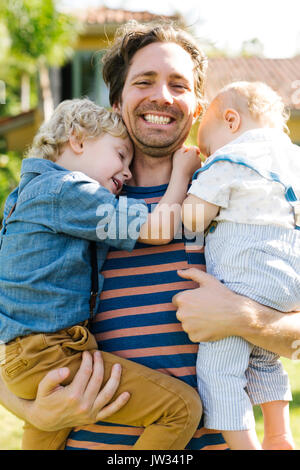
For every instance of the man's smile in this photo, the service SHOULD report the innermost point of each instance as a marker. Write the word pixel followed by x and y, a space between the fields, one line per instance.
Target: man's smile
pixel 157 118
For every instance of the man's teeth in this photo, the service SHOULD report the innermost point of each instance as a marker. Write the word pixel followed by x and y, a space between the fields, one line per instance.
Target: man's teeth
pixel 157 119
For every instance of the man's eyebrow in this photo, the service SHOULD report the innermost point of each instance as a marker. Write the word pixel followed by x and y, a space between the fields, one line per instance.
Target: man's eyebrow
pixel 146 73
pixel 152 73
pixel 178 76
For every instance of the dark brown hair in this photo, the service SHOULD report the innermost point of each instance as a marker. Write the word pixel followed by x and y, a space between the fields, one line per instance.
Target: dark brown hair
pixel 134 36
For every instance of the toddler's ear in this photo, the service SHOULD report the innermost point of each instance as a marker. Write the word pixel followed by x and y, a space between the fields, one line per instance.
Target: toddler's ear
pixel 232 120
pixel 76 144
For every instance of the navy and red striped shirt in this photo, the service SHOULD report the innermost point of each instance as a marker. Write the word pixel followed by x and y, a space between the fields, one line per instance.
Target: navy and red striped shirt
pixel 137 321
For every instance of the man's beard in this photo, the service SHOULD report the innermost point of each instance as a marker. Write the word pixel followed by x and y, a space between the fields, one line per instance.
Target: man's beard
pixel 160 150
pixel 158 144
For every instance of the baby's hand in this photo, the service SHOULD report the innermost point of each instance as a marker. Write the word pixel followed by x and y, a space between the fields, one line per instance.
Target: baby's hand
pixel 187 160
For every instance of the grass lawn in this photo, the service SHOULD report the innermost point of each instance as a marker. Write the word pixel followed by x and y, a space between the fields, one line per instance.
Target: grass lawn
pixel 11 427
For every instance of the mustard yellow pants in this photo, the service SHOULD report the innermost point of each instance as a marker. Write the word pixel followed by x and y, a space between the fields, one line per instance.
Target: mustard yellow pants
pixel 166 407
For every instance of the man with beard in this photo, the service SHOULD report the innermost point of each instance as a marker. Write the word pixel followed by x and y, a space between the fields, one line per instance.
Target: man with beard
pixel 155 75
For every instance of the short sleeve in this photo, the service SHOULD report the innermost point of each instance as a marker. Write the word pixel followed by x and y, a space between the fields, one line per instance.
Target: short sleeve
pixel 214 184
pixel 85 209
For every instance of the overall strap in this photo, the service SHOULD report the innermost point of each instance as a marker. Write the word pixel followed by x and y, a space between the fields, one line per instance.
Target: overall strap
pixel 11 211
pixel 8 216
pixel 94 278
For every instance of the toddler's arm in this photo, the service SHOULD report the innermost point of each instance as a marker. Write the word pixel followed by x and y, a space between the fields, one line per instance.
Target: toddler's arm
pixel 197 214
pixel 163 222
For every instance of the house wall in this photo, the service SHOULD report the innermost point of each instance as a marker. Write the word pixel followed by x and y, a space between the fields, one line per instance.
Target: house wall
pixel 294 127
pixel 19 135
pixel 92 42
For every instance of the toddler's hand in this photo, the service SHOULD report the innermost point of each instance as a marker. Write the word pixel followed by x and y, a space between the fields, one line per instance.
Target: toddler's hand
pixel 187 160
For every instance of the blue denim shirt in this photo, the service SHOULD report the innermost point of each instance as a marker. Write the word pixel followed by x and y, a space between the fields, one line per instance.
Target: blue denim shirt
pixel 45 271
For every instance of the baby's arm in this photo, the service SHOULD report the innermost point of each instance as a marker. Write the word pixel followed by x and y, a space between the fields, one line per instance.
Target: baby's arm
pixel 197 214
pixel 163 222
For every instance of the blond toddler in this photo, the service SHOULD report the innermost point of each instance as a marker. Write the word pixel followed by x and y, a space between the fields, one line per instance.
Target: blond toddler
pixel 58 226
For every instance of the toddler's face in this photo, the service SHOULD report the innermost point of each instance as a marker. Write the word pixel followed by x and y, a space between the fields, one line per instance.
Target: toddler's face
pixel 106 159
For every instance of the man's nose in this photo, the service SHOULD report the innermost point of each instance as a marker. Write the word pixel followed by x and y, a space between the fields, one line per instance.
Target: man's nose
pixel 162 94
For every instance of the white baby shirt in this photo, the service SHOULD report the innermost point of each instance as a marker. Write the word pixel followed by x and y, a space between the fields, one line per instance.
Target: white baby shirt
pixel 244 196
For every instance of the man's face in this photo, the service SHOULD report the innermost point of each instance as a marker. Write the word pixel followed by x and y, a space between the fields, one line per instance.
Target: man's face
pixel 158 99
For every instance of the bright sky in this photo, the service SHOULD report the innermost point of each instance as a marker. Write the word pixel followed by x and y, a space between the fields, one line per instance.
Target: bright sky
pixel 276 23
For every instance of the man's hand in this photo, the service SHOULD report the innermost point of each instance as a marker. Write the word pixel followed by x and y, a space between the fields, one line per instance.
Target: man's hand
pixel 209 312
pixel 79 403
pixel 212 312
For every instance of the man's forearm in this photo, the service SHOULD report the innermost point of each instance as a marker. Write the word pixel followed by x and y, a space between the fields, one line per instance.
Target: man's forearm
pixel 270 329
pixel 212 312
pixel 16 405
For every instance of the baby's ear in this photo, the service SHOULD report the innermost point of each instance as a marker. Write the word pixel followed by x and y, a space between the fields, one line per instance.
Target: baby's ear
pixel 232 120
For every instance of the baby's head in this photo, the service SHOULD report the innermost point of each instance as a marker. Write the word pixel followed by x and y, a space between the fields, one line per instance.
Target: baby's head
pixel 82 136
pixel 237 108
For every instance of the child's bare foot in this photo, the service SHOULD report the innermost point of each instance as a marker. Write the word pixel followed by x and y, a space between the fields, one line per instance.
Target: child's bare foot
pixel 278 442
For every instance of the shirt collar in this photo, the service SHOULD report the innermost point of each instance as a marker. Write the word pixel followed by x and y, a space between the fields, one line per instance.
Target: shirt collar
pixel 260 134
pixel 39 166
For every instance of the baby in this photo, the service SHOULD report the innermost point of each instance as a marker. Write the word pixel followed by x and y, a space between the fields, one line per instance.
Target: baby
pixel 250 188
pixel 58 226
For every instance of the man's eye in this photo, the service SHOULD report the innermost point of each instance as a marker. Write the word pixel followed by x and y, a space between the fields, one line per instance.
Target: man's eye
pixel 179 86
pixel 142 82
pixel 121 156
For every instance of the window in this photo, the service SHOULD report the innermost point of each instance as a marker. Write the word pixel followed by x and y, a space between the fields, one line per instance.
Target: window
pixel 86 73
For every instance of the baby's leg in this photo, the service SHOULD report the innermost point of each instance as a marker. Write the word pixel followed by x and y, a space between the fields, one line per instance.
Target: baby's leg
pixel 268 385
pixel 221 367
pixel 278 434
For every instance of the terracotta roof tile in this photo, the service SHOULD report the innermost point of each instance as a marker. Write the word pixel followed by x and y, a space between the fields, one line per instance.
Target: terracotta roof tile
pixel 280 74
pixel 104 15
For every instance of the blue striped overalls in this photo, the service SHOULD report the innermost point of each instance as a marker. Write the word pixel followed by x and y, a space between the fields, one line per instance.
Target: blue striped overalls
pixel 263 263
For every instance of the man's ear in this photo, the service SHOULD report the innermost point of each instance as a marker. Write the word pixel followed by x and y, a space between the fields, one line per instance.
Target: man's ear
pixel 76 144
pixel 116 108
pixel 197 112
pixel 232 119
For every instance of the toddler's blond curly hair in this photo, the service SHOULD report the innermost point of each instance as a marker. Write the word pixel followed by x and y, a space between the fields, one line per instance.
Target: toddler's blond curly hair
pixel 80 117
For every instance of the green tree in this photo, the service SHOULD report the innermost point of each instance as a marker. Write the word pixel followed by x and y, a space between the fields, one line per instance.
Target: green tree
pixel 39 36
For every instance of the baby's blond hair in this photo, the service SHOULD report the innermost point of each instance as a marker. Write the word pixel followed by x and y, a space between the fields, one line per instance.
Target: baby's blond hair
pixel 262 102
pixel 81 117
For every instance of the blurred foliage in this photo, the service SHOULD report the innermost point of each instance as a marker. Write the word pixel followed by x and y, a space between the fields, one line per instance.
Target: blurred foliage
pixel 33 33
pixel 11 75
pixel 10 166
pixel 38 31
